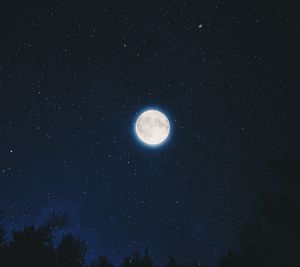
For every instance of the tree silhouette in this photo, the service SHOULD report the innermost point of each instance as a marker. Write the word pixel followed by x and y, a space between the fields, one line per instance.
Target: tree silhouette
pixel 102 261
pixel 232 259
pixel 171 262
pixel 273 239
pixel 147 260
pixel 33 246
pixel 30 247
pixel 135 260
pixel 71 252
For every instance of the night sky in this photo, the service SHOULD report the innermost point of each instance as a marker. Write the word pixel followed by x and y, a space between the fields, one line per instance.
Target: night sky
pixel 74 75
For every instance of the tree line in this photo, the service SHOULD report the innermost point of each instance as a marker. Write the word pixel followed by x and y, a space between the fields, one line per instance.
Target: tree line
pixel 270 240
pixel 35 247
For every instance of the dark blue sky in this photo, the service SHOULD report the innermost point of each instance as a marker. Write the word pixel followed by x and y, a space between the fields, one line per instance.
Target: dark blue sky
pixel 75 74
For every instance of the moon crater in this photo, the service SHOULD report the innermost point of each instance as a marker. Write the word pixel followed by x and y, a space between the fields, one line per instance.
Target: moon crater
pixel 152 127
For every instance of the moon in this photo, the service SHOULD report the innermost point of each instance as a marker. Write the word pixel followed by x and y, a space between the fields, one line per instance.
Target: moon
pixel 152 127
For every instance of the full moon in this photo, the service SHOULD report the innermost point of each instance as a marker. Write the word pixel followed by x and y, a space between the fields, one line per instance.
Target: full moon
pixel 152 127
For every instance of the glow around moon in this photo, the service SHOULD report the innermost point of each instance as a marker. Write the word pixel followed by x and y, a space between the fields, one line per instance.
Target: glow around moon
pixel 152 127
